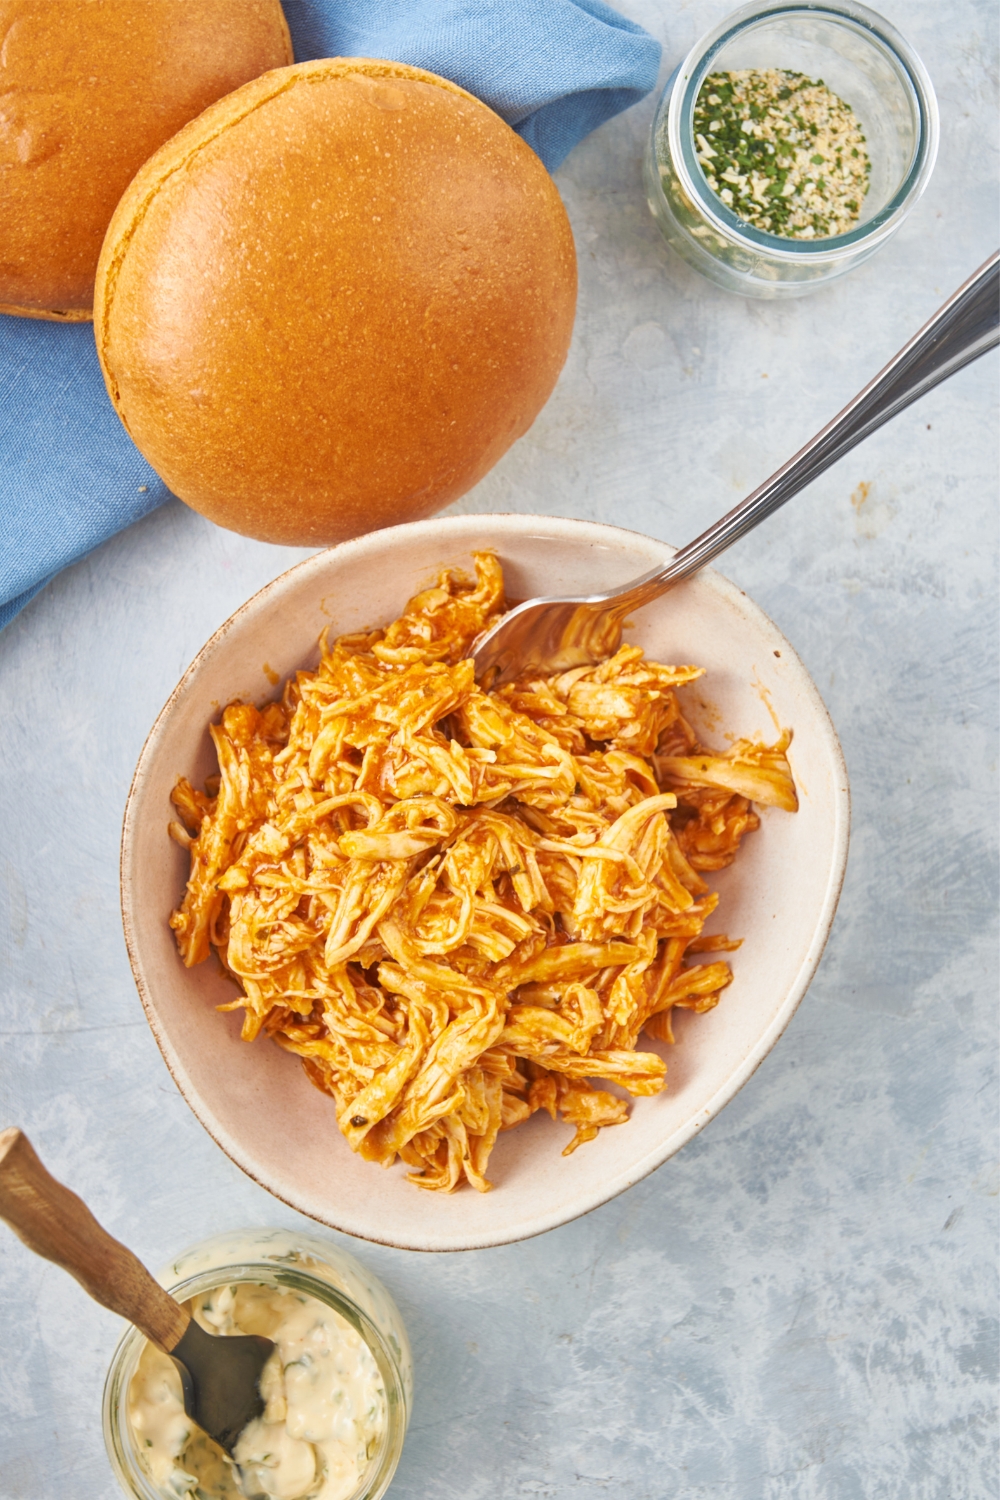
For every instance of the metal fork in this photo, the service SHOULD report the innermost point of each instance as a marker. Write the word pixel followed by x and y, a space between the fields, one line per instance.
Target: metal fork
pixel 542 636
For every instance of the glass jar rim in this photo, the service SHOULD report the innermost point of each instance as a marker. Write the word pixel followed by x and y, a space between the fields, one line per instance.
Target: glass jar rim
pixel 678 103
pixel 126 1354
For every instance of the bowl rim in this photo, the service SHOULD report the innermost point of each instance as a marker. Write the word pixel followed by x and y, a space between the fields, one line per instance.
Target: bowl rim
pixel 451 528
pixel 685 83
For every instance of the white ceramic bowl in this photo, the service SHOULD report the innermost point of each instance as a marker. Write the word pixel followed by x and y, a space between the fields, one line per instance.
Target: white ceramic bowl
pixel 779 896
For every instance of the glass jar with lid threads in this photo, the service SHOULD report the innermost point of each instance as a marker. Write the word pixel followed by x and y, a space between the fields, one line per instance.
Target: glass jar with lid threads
pixel 302 1266
pixel 861 61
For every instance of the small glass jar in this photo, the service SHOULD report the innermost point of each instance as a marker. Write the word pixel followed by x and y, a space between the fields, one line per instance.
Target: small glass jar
pixel 862 59
pixel 303 1262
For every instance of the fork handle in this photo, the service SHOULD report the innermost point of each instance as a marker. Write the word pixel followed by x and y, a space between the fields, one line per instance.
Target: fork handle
pixel 56 1224
pixel 960 331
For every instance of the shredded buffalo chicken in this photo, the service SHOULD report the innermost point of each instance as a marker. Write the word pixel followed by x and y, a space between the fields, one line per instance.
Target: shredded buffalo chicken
pixel 459 907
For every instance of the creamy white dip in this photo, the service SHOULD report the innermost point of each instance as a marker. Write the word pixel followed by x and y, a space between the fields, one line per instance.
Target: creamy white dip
pixel 324 1404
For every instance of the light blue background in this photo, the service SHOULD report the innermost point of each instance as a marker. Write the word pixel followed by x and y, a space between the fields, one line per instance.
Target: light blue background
pixel 802 1304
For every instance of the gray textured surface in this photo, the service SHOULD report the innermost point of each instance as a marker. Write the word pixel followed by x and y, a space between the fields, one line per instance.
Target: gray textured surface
pixel 802 1303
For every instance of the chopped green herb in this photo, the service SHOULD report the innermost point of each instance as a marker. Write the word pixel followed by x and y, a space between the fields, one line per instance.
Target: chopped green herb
pixel 759 135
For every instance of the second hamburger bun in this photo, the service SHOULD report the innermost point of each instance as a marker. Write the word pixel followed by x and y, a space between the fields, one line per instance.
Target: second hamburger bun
pixel 88 90
pixel 334 300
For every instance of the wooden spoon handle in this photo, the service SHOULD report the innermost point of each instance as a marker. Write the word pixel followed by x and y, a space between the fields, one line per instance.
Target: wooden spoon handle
pixel 58 1225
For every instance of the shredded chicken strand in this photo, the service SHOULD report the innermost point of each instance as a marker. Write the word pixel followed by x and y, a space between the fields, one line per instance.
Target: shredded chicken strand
pixel 459 907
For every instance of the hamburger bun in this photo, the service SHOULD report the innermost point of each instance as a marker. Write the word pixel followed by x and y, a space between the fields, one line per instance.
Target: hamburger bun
pixel 334 300
pixel 88 90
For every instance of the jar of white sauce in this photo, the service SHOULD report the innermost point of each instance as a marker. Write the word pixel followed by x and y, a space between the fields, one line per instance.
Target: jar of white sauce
pixel 338 1397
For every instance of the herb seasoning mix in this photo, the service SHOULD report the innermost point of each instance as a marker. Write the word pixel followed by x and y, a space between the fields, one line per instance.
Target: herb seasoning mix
pixel 782 151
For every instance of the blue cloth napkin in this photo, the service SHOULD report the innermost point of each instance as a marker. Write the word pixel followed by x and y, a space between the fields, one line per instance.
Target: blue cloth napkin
pixel 69 474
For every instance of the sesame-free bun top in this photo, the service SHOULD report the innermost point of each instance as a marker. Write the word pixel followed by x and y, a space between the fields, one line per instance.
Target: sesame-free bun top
pixel 334 300
pixel 88 90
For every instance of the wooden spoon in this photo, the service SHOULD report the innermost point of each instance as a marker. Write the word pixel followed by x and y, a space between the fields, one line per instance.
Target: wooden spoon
pixel 219 1375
